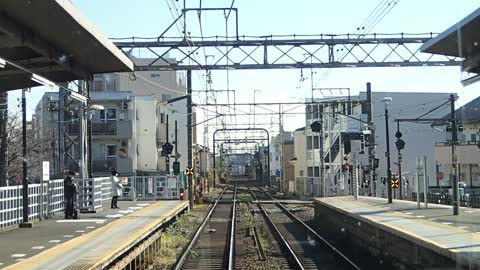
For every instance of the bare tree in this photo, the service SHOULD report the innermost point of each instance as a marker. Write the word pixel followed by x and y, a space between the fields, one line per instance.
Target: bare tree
pixel 3 137
pixel 37 149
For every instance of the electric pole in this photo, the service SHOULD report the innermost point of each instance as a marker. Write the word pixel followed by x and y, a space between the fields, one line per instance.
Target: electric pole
pixel 25 201
pixel 189 137
pixel 453 121
pixel 167 155
pixel 387 100
pixel 371 142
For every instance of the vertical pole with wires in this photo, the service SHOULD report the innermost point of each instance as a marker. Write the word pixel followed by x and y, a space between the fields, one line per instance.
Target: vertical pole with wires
pixel 454 173
pixel 189 137
pixel 25 201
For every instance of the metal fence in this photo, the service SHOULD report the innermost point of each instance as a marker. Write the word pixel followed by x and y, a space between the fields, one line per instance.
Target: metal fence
pixel 467 200
pixel 151 188
pixel 45 200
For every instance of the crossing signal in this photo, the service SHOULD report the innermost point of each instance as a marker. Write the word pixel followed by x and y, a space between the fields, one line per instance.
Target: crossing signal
pixel 394 183
pixel 181 194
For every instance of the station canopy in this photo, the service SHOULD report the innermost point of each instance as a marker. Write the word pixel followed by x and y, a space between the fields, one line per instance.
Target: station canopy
pixel 52 39
pixel 461 40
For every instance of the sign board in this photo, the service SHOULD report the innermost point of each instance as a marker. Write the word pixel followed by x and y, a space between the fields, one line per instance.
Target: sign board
pixel 172 182
pixel 46 170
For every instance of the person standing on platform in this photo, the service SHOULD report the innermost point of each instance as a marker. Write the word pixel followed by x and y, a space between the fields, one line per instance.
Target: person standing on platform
pixel 69 189
pixel 117 189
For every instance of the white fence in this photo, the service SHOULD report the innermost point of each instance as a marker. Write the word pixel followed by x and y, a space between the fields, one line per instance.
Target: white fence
pixel 44 201
pixel 151 188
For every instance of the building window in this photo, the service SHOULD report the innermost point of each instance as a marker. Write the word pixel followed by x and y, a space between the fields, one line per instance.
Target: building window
pixel 165 97
pixel 473 137
pixel 276 158
pixel 301 172
pixel 155 75
pixel 309 142
pixel 108 115
pixel 316 142
pixel 317 172
pixel 111 151
pixel 315 111
pixel 162 118
pixel 310 172
pixel 308 112
pixel 103 82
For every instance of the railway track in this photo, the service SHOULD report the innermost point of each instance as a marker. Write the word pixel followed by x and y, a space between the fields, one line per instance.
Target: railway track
pixel 212 246
pixel 301 245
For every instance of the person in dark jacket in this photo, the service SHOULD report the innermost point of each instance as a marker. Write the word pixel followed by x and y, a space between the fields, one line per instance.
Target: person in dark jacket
pixel 69 189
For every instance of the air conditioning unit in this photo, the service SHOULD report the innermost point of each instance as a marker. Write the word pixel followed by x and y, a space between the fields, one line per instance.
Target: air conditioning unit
pixel 124 143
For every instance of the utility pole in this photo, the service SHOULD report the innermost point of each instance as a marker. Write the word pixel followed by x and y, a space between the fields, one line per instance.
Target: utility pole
pixel 189 137
pixel 371 142
pixel 82 133
pixel 25 201
pixel 453 122
pixel 89 134
pixel 399 159
pixel 61 129
pixel 176 141
pixel 167 156
pixel 322 158
pixel 387 100
pixel 280 128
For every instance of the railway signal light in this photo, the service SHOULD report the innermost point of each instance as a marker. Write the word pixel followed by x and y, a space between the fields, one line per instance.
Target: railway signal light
pixel 176 168
pixel 167 148
pixel 181 194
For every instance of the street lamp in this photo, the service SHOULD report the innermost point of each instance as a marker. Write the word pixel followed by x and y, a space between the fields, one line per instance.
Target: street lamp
pixel 387 101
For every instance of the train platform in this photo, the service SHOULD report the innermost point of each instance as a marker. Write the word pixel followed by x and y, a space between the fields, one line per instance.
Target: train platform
pixel 408 232
pixel 91 242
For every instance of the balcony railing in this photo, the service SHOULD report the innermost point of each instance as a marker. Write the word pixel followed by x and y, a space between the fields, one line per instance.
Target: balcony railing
pixel 122 129
pixel 104 165
pixel 122 165
pixel 108 128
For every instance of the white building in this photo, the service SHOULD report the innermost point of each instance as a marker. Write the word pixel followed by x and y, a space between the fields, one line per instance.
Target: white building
pixel 340 127
pixel 128 134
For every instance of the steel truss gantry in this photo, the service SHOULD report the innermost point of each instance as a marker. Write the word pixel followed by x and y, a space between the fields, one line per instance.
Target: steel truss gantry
pixel 286 51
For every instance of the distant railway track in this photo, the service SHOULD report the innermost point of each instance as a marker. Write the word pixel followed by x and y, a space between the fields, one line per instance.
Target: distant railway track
pixel 303 247
pixel 212 246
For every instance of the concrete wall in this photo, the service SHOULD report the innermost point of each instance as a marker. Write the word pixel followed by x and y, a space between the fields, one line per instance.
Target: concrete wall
pixel 365 239
pixel 289 170
pixel 299 152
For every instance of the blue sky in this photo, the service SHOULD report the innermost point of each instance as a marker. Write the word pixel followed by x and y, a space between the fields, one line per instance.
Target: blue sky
pixel 149 18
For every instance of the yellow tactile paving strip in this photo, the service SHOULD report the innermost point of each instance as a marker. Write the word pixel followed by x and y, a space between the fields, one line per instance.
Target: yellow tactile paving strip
pixel 139 226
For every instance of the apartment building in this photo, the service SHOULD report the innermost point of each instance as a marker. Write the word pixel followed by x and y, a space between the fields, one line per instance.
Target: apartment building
pixel 343 124
pixel 130 129
pixel 467 149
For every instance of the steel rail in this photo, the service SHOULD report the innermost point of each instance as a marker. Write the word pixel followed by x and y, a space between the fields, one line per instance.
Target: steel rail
pixel 181 261
pixel 294 217
pixel 232 229
pixel 293 258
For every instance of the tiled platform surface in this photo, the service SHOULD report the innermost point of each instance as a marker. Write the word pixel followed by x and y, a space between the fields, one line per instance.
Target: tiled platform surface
pixel 84 243
pixel 435 227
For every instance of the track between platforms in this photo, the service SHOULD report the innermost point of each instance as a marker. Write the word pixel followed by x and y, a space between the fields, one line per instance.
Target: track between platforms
pixel 303 247
pixel 212 246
